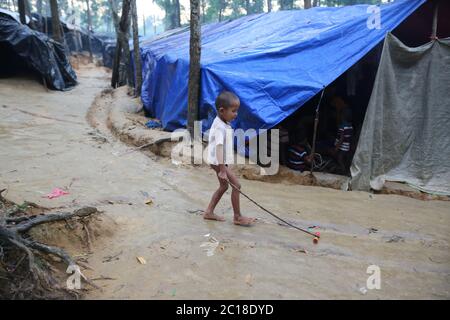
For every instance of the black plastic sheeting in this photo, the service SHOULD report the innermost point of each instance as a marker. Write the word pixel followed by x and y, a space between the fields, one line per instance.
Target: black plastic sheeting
pixel 108 49
pixel 37 51
pixel 108 54
pixel 102 44
pixel 77 40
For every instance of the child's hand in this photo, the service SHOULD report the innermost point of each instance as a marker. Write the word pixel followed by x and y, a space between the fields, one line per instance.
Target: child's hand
pixel 222 175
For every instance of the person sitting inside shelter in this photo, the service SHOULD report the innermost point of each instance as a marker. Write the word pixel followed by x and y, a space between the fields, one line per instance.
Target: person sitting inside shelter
pixel 343 140
pixel 299 153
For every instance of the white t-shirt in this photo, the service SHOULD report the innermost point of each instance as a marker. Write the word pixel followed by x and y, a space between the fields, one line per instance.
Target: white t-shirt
pixel 220 133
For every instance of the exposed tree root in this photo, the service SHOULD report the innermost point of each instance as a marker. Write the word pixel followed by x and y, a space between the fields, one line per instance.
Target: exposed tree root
pixel 34 279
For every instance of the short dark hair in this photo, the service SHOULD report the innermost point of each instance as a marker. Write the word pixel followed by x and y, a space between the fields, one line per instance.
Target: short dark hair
pixel 226 99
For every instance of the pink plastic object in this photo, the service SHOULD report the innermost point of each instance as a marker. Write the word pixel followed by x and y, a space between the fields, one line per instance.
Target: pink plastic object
pixel 57 192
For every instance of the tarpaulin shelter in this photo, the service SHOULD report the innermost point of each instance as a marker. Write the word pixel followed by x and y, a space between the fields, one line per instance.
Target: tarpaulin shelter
pixel 274 62
pixel 14 15
pixel 22 47
pixel 405 136
pixel 406 133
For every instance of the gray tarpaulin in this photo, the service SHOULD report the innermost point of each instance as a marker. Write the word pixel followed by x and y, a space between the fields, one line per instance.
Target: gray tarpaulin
pixel 406 132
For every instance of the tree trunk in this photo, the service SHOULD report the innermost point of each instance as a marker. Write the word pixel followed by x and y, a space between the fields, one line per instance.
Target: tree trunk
pixel 46 13
pixel 194 66
pixel 116 62
pixel 247 7
pixel 307 4
pixel 137 53
pixel 88 12
pixel 57 30
pixel 177 13
pixel 222 6
pixel 22 13
pixel 125 35
pixel 122 30
pixel 269 5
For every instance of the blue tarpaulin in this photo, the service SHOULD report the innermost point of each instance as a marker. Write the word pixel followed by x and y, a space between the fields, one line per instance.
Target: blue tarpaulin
pixel 274 62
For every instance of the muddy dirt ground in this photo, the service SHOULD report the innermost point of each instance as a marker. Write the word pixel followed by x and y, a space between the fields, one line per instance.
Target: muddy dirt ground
pixel 47 142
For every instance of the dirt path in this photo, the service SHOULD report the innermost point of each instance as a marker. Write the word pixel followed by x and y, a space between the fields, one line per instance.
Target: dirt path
pixel 46 142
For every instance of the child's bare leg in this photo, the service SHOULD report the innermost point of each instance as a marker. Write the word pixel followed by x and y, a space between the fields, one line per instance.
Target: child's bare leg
pixel 209 212
pixel 238 218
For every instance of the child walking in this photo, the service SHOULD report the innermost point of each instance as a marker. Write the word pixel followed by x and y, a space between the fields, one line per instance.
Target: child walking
pixel 220 155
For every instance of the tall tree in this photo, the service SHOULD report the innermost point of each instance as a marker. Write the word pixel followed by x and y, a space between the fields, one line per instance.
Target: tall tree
pixel 177 13
pixel 269 5
pixel 137 53
pixel 57 29
pixel 194 66
pixel 216 9
pixel 122 30
pixel 172 9
pixel 22 13
pixel 117 53
pixel 89 19
pixel 307 4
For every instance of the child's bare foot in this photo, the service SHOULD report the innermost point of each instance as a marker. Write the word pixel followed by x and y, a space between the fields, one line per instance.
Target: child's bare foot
pixel 212 216
pixel 243 221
